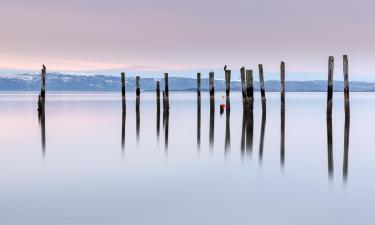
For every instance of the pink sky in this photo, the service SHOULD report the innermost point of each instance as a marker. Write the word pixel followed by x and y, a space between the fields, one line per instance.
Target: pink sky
pixel 83 35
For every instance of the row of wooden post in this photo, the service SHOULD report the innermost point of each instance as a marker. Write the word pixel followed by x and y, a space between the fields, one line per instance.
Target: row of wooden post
pixel 330 85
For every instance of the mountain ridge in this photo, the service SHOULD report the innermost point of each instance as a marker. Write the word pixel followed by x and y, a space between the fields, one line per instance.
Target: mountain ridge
pixel 108 83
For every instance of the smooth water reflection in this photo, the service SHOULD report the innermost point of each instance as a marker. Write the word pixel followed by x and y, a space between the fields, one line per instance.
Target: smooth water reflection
pixel 81 178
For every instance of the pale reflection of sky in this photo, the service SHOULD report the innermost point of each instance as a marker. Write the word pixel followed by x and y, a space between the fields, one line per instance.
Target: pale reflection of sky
pixel 85 178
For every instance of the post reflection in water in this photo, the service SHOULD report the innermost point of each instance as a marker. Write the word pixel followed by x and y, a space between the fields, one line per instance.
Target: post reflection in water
pixel 123 130
pixel 42 123
pixel 262 131
pixel 243 133
pixel 166 128
pixel 199 123
pixel 330 146
pixel 227 126
pixel 212 123
pixel 346 146
pixel 247 133
pixel 282 136
pixel 137 119
pixel 158 117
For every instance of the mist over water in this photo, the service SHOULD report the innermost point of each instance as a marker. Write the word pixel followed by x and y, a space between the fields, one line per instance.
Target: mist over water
pixel 85 161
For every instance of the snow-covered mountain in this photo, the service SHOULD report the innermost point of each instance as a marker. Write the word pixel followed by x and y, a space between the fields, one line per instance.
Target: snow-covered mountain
pixel 70 82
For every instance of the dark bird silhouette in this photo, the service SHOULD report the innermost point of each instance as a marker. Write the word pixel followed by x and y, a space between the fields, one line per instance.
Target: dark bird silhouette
pixel 44 67
pixel 225 67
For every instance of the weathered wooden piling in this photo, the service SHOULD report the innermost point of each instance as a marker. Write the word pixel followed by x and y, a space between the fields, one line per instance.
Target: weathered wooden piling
pixel 43 78
pixel 138 86
pixel 282 85
pixel 243 85
pixel 227 82
pixel 41 108
pixel 211 78
pixel 158 109
pixel 262 89
pixel 282 119
pixel 330 85
pixel 123 91
pixel 346 84
pixel 157 90
pixel 137 103
pixel 249 91
pixel 198 85
pixel 166 85
pixel 166 93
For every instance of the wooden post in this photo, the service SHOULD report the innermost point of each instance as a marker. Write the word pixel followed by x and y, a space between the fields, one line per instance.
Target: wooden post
pixel 243 87
pixel 346 85
pixel 249 100
pixel 138 86
pixel 249 85
pixel 157 89
pixel 330 85
pixel 166 89
pixel 166 93
pixel 198 85
pixel 227 82
pixel 137 102
pixel 123 91
pixel 43 77
pixel 157 109
pixel 282 89
pixel 262 89
pixel 212 84
pixel 41 109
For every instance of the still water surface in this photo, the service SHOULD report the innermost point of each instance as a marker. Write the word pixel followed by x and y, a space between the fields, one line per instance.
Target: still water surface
pixel 88 163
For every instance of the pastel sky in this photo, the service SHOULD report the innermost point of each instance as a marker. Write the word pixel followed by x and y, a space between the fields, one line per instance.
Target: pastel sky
pixel 174 35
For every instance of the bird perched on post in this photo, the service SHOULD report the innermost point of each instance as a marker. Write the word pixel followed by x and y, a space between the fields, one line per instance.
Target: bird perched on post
pixel 225 67
pixel 44 67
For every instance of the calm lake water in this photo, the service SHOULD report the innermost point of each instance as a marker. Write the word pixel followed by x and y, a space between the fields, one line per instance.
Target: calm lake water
pixel 89 170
